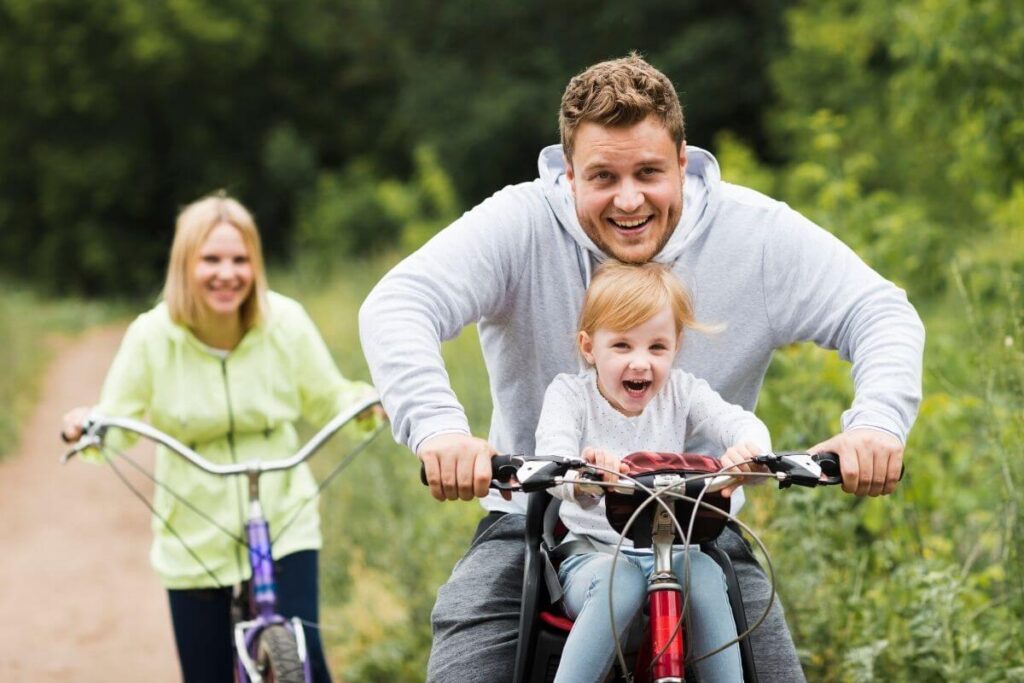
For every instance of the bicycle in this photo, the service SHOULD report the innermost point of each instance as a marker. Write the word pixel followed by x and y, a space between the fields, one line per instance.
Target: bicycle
pixel 269 647
pixel 647 502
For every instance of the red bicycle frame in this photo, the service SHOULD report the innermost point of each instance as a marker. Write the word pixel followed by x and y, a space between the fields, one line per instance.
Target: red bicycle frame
pixel 661 658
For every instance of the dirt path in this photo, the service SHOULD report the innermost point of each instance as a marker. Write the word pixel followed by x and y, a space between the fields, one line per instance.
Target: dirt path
pixel 78 600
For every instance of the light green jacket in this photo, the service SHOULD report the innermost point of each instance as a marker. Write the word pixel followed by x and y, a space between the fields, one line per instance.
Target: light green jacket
pixel 243 407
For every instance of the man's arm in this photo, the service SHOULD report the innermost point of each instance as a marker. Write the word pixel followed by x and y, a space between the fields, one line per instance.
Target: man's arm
pixel 464 274
pixel 817 289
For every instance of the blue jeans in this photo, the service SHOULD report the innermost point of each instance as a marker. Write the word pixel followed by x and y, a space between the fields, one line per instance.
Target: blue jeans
pixel 590 649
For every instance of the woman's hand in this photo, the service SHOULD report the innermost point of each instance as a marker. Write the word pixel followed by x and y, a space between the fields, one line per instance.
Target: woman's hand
pixel 73 421
pixel 737 459
pixel 601 458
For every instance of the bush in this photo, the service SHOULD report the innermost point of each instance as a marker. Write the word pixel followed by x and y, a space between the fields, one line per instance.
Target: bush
pixel 358 213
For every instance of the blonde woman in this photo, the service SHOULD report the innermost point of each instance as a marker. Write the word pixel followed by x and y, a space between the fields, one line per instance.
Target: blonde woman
pixel 227 367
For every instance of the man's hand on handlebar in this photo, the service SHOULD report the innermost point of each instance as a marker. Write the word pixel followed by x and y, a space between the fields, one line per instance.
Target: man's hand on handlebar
pixel 871 460
pixel 738 459
pixel 457 466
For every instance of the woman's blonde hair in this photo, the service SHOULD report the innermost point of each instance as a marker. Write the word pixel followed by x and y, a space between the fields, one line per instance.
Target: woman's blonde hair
pixel 622 296
pixel 195 223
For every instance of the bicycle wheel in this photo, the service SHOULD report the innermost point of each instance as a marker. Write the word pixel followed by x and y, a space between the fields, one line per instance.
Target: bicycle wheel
pixel 277 656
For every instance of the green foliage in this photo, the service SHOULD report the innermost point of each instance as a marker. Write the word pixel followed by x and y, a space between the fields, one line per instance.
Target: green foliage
pixel 357 212
pixel 896 118
pixel 116 113
pixel 924 584
pixel 489 105
pixel 902 123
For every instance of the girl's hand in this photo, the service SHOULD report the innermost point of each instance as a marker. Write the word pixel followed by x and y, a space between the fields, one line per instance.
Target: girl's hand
pixel 601 458
pixel 73 420
pixel 737 459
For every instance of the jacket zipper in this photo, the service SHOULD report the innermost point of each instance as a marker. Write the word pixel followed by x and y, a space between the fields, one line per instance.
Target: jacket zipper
pixel 234 459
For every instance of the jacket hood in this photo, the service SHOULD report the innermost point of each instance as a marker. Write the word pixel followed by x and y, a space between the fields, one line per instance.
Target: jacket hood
pixel 700 194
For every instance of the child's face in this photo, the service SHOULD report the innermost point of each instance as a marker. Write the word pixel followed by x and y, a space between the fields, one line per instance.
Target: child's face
pixel 632 366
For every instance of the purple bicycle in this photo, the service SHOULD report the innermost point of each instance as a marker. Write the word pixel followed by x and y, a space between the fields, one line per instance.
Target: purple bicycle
pixel 269 647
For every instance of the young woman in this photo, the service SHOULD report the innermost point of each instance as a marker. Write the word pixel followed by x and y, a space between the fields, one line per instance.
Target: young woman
pixel 227 367
pixel 630 399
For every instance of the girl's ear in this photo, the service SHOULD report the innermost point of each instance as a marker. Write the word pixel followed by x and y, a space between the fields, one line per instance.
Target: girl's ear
pixel 586 346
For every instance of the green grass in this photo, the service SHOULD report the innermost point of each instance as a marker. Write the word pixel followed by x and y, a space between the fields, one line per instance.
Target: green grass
pixel 27 324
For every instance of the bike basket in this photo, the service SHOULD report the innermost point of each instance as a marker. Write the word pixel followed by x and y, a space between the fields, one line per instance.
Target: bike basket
pixel 645 466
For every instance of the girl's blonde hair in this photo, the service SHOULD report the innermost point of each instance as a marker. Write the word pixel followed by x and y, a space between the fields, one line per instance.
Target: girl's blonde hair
pixel 622 296
pixel 195 223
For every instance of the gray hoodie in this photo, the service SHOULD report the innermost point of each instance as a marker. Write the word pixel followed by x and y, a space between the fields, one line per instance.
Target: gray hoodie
pixel 518 264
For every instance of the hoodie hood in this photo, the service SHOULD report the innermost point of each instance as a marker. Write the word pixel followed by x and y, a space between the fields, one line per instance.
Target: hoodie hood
pixel 700 193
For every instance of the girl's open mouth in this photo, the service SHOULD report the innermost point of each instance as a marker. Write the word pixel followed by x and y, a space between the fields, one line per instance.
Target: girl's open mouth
pixel 636 387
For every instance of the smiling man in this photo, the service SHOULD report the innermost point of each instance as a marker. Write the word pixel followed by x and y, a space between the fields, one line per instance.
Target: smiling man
pixel 623 184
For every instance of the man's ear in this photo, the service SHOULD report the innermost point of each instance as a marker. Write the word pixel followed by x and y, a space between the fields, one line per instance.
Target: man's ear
pixel 586 346
pixel 570 175
pixel 682 158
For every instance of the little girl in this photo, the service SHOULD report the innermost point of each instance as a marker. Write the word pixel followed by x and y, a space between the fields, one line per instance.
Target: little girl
pixel 632 399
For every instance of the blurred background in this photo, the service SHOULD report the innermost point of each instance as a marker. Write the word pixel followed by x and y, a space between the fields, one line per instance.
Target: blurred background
pixel 355 130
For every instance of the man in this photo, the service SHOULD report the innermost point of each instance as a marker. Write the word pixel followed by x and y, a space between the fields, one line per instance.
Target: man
pixel 624 185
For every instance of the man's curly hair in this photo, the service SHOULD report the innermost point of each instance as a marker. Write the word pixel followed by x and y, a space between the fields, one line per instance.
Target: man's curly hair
pixel 619 93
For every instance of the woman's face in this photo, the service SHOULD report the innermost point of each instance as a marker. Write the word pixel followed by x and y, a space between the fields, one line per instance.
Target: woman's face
pixel 223 275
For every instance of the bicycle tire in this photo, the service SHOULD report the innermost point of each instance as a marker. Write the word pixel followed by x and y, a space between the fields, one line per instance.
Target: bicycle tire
pixel 277 656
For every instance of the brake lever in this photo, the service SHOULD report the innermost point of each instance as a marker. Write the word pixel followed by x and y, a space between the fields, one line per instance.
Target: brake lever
pixel 803 469
pixel 87 441
pixel 538 474
pixel 799 468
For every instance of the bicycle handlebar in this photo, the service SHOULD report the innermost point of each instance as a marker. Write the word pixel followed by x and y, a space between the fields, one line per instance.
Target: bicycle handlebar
pixel 96 427
pixel 536 472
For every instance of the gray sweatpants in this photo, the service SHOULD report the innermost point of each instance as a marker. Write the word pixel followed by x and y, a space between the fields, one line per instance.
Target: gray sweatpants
pixel 476 616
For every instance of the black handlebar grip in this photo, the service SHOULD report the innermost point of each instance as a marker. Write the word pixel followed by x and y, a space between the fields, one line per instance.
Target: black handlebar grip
pixel 503 468
pixel 829 463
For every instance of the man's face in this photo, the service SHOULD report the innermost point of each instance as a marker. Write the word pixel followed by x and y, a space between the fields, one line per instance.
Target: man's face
pixel 628 184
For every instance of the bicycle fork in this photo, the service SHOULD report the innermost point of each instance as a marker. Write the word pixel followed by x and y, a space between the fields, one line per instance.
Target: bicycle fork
pixel 264 595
